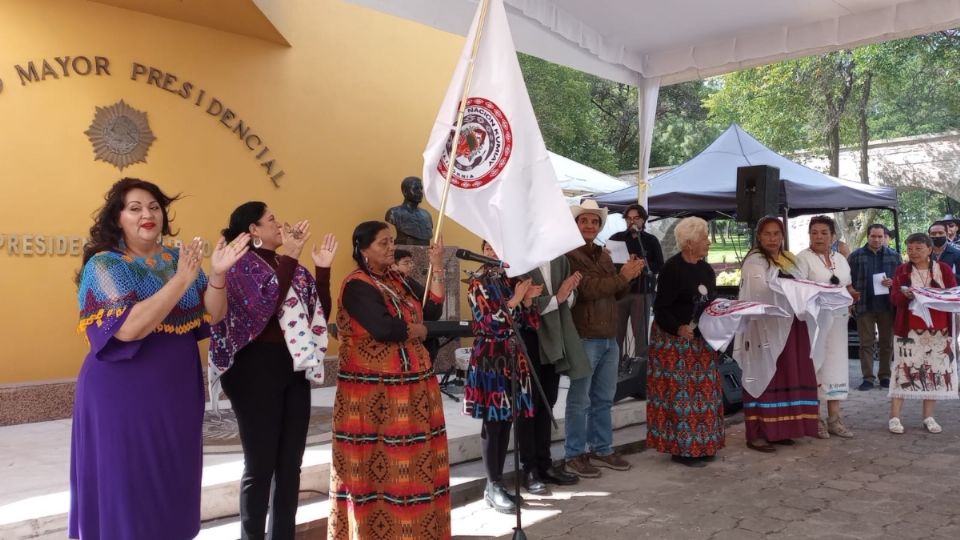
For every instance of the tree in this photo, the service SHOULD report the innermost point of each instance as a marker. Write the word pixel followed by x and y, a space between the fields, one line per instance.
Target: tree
pixel 569 120
pixel 595 121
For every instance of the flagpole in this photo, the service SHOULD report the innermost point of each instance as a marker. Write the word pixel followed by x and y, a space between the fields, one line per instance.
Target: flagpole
pixel 456 136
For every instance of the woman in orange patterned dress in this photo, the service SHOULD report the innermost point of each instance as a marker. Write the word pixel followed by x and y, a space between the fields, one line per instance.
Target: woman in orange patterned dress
pixel 390 477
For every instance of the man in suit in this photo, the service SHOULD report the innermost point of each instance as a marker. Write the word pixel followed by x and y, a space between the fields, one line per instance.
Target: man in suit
pixel 555 349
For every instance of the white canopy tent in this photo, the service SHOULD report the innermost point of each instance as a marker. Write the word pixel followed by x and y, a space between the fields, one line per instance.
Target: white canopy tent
pixel 648 43
pixel 578 180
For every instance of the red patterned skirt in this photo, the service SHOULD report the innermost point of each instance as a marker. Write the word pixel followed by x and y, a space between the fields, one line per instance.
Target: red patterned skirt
pixel 684 396
pixel 390 476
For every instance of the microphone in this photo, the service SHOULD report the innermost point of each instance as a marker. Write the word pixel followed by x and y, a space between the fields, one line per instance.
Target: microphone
pixel 475 257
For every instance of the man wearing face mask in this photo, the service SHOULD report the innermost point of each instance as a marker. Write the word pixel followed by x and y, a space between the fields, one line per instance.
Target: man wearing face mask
pixel 943 250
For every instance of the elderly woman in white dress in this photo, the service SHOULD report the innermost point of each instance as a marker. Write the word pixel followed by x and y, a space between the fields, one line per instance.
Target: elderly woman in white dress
pixel 831 359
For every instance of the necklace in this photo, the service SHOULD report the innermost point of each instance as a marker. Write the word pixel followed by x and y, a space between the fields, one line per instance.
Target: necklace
pixel 923 276
pixel 827 261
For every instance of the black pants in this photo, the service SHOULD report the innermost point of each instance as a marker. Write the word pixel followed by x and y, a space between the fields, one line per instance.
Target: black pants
pixel 272 404
pixel 494 440
pixel 535 432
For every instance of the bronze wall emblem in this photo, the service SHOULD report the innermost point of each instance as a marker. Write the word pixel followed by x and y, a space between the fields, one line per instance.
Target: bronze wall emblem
pixel 120 135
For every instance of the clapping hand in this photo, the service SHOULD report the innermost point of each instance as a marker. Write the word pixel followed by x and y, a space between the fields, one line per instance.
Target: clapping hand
pixel 323 257
pixel 533 291
pixel 294 237
pixel 520 292
pixel 225 255
pixel 568 286
pixel 188 261
pixel 632 268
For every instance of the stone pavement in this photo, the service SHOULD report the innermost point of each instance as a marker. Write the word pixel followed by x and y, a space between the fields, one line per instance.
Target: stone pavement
pixel 876 485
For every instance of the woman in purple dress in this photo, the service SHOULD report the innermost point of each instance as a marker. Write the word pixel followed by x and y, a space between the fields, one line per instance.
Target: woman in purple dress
pixel 136 450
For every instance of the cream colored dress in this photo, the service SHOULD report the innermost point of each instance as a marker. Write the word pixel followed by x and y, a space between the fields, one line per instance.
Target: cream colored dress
pixel 833 359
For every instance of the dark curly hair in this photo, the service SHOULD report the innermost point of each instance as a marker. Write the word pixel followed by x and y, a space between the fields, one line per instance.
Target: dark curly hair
pixel 823 220
pixel 106 234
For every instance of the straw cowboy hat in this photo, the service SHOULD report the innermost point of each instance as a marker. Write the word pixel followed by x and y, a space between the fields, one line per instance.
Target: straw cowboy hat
pixel 589 206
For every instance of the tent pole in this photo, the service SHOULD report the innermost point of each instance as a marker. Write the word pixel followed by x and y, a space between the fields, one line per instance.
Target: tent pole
pixel 649 92
pixel 896 229
pixel 468 78
pixel 786 229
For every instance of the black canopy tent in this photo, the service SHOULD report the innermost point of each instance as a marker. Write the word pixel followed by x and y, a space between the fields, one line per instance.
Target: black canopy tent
pixel 706 185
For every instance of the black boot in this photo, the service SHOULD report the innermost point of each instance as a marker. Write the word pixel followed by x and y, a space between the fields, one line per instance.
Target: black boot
pixel 498 498
pixel 556 475
pixel 533 483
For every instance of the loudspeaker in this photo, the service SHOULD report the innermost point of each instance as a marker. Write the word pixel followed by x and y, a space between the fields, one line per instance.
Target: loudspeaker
pixel 730 381
pixel 758 192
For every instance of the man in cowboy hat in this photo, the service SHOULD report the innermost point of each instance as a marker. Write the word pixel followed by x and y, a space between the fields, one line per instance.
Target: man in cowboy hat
pixel 953 225
pixel 588 420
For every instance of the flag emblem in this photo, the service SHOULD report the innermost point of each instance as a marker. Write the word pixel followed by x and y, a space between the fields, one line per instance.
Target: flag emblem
pixel 484 147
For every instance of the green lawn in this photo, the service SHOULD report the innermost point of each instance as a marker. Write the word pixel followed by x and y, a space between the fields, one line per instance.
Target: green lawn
pixel 727 252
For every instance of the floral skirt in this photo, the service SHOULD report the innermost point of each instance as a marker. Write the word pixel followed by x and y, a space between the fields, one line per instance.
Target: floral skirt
pixel 684 396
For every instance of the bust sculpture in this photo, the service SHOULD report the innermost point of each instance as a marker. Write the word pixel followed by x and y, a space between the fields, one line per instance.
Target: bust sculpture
pixel 414 224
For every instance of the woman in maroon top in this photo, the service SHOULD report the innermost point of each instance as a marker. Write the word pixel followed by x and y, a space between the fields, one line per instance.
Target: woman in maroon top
pixel 268 392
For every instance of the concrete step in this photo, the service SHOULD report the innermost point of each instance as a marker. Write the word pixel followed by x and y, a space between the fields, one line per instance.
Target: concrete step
pixel 467 482
pixel 37 513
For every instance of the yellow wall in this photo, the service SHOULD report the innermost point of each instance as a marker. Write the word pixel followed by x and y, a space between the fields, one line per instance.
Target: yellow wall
pixel 346 111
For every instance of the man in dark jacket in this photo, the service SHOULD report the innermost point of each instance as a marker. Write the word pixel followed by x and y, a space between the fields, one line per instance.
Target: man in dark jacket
pixel 588 420
pixel 874 311
pixel 943 251
pixel 634 307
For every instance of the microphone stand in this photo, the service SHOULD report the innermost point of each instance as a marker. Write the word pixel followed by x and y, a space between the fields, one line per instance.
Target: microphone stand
pixel 647 279
pixel 518 533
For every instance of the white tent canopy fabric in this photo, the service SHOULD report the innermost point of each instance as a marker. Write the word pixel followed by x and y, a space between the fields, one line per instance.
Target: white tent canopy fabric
pixel 649 43
pixel 578 179
pixel 680 40
pixel 707 184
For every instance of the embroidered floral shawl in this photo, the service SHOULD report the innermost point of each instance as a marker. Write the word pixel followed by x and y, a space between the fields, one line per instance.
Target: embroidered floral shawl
pixel 253 290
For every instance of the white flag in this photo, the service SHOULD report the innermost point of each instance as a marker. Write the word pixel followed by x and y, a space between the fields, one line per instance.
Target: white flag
pixel 503 187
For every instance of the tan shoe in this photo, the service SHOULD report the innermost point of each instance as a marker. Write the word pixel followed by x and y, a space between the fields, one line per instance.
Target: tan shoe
pixel 822 432
pixel 835 426
pixel 612 461
pixel 581 467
